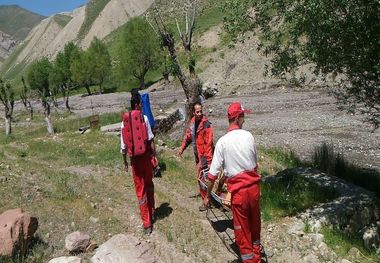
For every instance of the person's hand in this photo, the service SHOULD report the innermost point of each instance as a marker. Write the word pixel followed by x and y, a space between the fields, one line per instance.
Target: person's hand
pixel 206 201
pixel 180 154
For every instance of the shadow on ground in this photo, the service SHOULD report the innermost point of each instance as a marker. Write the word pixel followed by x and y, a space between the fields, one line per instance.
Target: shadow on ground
pixel 164 210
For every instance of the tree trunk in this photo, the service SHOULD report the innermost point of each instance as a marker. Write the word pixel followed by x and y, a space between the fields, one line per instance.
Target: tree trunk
pixel 165 74
pixel 101 87
pixel 88 89
pixel 66 94
pixel 67 104
pixel 8 125
pixel 190 87
pixel 142 82
pixel 49 125
pixel 30 110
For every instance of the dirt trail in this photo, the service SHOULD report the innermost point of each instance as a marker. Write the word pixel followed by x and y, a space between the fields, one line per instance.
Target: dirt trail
pixel 283 116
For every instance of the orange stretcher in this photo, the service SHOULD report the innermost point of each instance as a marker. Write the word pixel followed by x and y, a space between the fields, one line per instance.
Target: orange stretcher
pixel 219 193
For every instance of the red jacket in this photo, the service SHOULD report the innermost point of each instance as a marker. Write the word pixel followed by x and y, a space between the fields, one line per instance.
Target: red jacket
pixel 202 140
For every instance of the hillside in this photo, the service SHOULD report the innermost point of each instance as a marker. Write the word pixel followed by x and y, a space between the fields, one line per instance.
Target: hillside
pixel 98 18
pixel 15 25
pixel 76 182
pixel 17 21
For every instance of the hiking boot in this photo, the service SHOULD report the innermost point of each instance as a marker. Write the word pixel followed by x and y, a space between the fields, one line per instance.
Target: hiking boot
pixel 202 208
pixel 148 230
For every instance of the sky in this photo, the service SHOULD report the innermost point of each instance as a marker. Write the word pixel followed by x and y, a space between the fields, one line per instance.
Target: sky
pixel 46 7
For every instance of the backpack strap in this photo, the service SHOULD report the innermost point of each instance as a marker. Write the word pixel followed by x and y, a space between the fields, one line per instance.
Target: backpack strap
pixel 130 124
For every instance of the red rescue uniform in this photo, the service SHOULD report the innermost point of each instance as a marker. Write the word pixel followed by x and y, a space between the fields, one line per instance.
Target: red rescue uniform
pixel 235 153
pixel 201 135
pixel 142 171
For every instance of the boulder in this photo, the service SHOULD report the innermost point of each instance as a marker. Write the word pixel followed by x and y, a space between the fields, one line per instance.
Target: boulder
pixel 66 260
pixel 124 248
pixel 371 237
pixel 77 242
pixel 16 231
pixel 210 90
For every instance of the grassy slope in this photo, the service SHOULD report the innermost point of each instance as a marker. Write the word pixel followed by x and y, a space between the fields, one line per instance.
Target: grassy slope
pixel 37 168
pixel 93 9
pixel 118 81
pixel 210 16
pixel 62 20
pixel 67 178
pixel 17 21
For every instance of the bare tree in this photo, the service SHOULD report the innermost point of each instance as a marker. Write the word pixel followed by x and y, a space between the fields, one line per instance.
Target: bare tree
pixel 25 96
pixel 190 84
pixel 7 99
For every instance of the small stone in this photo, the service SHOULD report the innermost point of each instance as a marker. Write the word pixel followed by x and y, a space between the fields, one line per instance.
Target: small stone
pixel 94 219
pixel 3 179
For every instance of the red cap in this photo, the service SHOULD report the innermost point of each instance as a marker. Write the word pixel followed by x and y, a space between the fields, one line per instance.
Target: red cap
pixel 235 110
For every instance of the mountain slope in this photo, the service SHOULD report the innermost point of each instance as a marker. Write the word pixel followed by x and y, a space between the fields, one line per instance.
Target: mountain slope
pixel 51 34
pixel 15 25
pixel 16 21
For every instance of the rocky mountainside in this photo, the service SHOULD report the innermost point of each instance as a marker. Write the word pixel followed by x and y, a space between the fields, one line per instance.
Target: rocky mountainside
pixel 15 25
pixel 80 26
pixel 7 45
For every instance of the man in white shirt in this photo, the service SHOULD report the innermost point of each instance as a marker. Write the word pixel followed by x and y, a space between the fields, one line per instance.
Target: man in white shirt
pixel 142 170
pixel 235 153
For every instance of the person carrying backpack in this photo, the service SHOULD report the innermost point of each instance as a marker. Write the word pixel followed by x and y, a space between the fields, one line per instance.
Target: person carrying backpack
pixel 137 142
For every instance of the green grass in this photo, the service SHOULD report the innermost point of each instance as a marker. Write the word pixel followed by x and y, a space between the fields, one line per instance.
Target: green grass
pixel 290 195
pixel 66 123
pixel 17 21
pixel 211 16
pixel 93 9
pixel 273 160
pixel 58 177
pixel 284 157
pixel 62 20
pixel 342 242
pixel 333 163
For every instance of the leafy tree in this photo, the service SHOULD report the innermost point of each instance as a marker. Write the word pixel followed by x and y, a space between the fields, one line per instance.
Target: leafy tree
pixel 8 100
pixel 100 62
pixel 339 37
pixel 81 70
pixel 38 79
pixel 25 96
pixel 60 75
pixel 140 50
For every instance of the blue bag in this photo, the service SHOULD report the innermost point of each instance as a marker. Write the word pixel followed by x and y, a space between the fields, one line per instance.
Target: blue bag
pixel 146 109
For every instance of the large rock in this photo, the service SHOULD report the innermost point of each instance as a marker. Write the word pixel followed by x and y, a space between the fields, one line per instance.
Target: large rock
pixel 77 242
pixel 66 260
pixel 124 248
pixel 16 231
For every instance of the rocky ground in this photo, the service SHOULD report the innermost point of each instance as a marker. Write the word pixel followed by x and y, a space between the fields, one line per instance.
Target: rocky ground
pixel 299 119
pixel 283 117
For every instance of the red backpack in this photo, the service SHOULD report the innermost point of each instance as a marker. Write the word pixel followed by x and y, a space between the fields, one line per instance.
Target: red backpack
pixel 135 134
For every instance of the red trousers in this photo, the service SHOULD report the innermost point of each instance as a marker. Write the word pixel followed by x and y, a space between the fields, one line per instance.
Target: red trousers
pixel 142 171
pixel 202 191
pixel 247 223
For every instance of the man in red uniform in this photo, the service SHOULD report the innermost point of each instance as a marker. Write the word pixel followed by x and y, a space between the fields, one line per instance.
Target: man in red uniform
pixel 142 171
pixel 200 133
pixel 235 153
